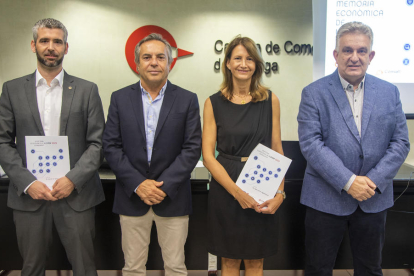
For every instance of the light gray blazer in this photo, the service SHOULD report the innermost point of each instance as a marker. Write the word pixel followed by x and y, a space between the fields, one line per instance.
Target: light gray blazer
pixel 82 120
pixel 330 142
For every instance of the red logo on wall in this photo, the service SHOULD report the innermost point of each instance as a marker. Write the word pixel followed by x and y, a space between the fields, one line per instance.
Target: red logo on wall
pixel 142 32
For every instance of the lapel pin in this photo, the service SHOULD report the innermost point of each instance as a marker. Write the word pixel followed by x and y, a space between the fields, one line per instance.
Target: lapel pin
pixel 70 87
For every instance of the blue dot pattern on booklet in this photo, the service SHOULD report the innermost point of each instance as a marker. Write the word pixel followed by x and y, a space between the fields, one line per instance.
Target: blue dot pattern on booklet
pixel 259 173
pixel 38 165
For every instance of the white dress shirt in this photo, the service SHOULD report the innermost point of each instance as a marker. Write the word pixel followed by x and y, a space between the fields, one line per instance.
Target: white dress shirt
pixel 356 101
pixel 49 103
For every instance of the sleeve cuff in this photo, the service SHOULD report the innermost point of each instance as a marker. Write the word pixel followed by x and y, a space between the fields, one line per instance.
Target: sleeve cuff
pixel 349 183
pixel 28 186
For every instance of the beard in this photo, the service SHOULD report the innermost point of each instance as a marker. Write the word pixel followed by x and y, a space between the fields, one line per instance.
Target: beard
pixel 48 63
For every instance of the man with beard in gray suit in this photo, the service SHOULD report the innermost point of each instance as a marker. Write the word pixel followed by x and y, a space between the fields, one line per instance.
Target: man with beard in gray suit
pixel 50 102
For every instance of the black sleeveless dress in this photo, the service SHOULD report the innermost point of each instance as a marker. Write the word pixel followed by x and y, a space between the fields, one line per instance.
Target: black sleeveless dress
pixel 234 232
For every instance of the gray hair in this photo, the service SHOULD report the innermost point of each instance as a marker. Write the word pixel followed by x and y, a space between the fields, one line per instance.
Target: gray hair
pixel 51 24
pixel 354 27
pixel 154 36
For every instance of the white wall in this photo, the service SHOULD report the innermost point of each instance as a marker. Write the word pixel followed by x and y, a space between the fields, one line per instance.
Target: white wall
pixel 98 31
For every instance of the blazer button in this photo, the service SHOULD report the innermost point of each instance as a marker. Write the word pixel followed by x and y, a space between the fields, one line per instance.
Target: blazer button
pixel 361 157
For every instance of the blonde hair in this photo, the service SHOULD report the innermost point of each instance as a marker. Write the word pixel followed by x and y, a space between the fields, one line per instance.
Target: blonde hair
pixel 257 90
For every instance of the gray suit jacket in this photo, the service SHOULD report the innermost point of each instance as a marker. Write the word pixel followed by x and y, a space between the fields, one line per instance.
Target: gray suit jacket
pixel 82 120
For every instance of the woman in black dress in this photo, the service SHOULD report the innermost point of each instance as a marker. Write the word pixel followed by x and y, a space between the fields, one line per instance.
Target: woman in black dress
pixel 238 117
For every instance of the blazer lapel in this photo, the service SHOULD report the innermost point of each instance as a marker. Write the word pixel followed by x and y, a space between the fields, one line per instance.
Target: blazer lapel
pixel 30 88
pixel 167 103
pixel 69 88
pixel 369 102
pixel 136 100
pixel 341 100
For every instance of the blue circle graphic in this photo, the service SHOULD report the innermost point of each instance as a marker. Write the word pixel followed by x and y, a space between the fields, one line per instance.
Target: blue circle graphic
pixel 32 151
pixel 406 61
pixel 270 172
pixel 33 171
pixel 48 171
pixel 261 175
pixel 252 178
pixel 60 150
pixel 276 176
pixel 40 164
pixel 243 181
pixel 255 172
pixel 40 157
pixel 267 178
pixel 407 47
pixel 41 171
pixel 410 2
pixel 54 164
pixel 246 175
pixel 258 181
pixel 47 157
pixel 255 158
pixel 279 170
pixel 258 166
pixel 48 164
pixel 61 157
pixel 264 169
pixel 54 157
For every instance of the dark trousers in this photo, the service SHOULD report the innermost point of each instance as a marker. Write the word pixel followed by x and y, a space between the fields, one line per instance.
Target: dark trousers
pixel 324 234
pixel 76 231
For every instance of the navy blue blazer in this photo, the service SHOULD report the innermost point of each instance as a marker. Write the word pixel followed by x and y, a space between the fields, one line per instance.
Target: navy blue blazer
pixel 330 142
pixel 176 149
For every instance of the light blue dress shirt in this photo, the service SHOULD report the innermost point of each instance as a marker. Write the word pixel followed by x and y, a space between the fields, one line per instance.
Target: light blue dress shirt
pixel 151 109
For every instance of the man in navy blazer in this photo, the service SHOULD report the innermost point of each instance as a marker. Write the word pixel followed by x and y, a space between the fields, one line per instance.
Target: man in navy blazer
pixel 353 133
pixel 152 141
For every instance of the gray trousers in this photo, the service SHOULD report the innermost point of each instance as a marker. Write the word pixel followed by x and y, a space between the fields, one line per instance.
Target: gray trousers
pixel 76 231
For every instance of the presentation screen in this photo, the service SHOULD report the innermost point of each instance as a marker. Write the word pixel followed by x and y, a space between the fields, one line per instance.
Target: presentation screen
pixel 393 39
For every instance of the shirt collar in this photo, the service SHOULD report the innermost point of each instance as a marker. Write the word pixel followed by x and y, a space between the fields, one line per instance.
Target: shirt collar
pixel 40 79
pixel 162 91
pixel 349 87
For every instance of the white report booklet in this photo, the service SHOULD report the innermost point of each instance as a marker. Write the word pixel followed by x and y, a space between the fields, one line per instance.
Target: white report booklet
pixel 263 173
pixel 47 157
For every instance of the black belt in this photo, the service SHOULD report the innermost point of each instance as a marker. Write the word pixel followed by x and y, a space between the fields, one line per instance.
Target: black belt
pixel 232 157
